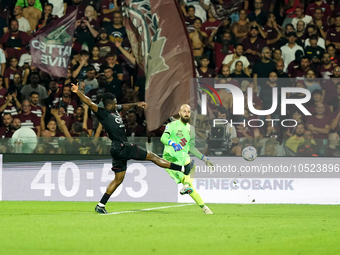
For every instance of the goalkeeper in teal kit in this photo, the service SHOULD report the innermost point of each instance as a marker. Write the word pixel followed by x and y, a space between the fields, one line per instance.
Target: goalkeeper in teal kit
pixel 179 139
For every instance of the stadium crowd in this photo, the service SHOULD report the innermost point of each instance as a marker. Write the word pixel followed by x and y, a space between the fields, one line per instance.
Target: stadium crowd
pixel 263 44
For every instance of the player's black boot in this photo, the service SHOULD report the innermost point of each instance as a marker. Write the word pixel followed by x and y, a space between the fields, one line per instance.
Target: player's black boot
pixel 100 209
pixel 188 167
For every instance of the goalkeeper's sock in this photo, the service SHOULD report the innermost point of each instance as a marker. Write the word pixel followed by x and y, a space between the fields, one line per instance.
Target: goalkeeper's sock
pixel 186 180
pixel 104 200
pixel 196 197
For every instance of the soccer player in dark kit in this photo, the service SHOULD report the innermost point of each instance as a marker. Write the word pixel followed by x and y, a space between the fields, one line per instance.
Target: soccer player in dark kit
pixel 121 149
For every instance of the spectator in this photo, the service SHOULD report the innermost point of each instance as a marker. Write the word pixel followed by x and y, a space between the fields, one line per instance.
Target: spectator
pixel 190 18
pixel 231 59
pixel 204 71
pixel 79 117
pixel 16 124
pixel 253 45
pixel 29 119
pixel 79 71
pixel 38 110
pixel 198 40
pixel 112 85
pixel 302 71
pixel 326 69
pixel 59 7
pixel 297 139
pixel 312 30
pixel 221 49
pixel 333 34
pixel 300 31
pixel 314 52
pixel 323 6
pixel 117 70
pixel 295 64
pixel 288 50
pixel 90 13
pixel 11 105
pixel 52 128
pixel 297 116
pixel 10 71
pixel 14 42
pixel 334 102
pixel 3 91
pixel 32 14
pixel 239 72
pixel 25 60
pixel 279 69
pixel 319 124
pixel 107 9
pixel 17 84
pixel 333 142
pixel 90 81
pixel 300 16
pixel 308 148
pixel 316 99
pixel 44 146
pixel 117 31
pixel 266 93
pixel 95 60
pixel 201 8
pixel 274 33
pixel 210 25
pixel 86 34
pixel 318 21
pixel 34 86
pixel 2 62
pixel 47 16
pixel 24 3
pixel 67 102
pixel 93 94
pixel 310 83
pixel 226 75
pixel 6 130
pixel 24 25
pixel 132 127
pixel 3 26
pixel 265 66
pixel 79 5
pixel 241 28
pixel 258 15
pixel 277 55
pixel 331 49
pixel 289 29
pixel 104 45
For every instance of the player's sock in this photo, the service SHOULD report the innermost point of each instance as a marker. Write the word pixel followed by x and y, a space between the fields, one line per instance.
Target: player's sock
pixel 197 198
pixel 104 199
pixel 186 180
pixel 175 167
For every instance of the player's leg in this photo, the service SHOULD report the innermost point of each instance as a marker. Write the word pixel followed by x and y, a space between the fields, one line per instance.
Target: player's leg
pixel 166 164
pixel 195 196
pixel 119 177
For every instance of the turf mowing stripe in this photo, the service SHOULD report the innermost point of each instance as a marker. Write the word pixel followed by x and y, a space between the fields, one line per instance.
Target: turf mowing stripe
pixel 147 209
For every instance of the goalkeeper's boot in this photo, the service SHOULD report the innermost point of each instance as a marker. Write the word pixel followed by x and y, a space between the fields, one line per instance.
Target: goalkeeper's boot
pixel 186 190
pixel 206 210
pixel 100 209
pixel 188 167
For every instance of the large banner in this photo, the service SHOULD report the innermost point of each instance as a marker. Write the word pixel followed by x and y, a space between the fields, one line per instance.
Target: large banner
pixel 51 46
pixel 224 10
pixel 162 49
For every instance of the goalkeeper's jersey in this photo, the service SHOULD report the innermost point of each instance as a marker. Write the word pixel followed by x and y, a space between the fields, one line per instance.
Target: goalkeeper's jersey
pixel 180 133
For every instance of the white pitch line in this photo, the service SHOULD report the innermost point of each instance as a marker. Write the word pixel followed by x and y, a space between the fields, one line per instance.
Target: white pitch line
pixel 147 209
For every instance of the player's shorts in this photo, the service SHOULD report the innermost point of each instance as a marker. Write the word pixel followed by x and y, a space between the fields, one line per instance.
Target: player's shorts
pixel 122 152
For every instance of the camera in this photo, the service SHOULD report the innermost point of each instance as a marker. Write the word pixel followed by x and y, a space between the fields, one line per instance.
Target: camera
pixel 219 141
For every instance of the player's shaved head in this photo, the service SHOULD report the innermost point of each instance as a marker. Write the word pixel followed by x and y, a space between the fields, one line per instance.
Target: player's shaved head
pixel 184 113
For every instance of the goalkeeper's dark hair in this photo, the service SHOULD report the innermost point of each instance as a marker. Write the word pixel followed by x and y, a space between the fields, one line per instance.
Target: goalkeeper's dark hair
pixel 108 98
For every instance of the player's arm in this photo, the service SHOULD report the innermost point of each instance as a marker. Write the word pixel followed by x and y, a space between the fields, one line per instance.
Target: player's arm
pixel 83 98
pixel 127 107
pixel 165 139
pixel 196 152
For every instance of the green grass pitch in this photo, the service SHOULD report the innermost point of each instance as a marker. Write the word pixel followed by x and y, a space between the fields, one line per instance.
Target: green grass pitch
pixel 74 228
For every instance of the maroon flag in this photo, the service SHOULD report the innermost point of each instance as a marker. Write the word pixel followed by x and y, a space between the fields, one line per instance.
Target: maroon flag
pixel 161 45
pixel 51 46
pixel 223 11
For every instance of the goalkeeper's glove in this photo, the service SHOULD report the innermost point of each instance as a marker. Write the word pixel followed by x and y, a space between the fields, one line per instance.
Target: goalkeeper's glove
pixel 177 147
pixel 207 161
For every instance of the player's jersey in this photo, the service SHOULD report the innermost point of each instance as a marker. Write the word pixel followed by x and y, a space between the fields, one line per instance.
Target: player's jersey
pixel 113 124
pixel 183 134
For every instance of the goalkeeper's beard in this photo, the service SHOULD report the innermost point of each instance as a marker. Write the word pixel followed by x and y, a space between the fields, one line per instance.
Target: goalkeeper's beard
pixel 184 120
